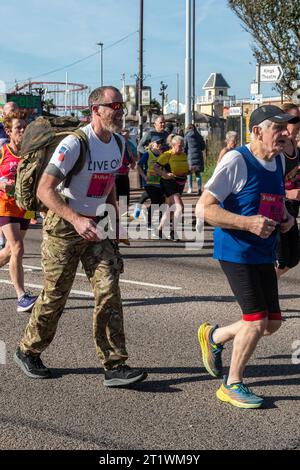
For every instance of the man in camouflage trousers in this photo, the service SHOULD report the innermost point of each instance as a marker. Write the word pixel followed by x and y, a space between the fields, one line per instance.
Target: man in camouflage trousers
pixel 70 235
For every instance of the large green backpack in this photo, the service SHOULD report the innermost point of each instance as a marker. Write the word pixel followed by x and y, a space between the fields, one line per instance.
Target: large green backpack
pixel 40 139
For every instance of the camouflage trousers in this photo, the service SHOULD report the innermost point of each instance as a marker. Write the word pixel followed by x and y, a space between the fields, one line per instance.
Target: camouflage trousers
pixel 62 249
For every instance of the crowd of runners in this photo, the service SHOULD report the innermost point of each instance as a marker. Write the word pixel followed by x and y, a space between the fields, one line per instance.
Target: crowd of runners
pixel 252 199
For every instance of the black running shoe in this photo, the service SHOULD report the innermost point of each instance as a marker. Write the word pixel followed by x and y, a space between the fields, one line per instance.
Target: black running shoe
pixel 31 365
pixel 123 375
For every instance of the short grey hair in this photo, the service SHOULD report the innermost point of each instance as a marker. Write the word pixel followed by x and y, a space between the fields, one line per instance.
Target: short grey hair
pixel 160 117
pixel 176 138
pixel 231 135
pixel 263 125
pixel 10 107
pixel 97 95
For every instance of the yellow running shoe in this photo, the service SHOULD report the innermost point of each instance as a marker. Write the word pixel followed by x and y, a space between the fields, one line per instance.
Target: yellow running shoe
pixel 211 352
pixel 238 394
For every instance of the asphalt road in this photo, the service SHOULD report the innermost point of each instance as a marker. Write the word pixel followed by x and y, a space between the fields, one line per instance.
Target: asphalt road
pixel 176 408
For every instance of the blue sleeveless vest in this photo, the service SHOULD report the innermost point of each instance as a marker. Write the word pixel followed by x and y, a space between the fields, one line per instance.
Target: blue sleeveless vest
pixel 239 246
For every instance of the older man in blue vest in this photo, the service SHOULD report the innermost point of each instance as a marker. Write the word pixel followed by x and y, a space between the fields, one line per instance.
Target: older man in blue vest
pixel 244 200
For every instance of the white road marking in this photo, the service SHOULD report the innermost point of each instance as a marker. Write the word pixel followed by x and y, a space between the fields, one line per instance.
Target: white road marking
pixel 148 284
pixel 125 281
pixel 38 286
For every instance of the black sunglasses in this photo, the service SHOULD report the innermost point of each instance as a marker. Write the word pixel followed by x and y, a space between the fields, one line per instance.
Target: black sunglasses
pixel 116 105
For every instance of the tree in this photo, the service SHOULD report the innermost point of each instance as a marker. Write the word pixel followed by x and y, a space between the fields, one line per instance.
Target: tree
pixel 153 108
pixel 274 27
pixel 86 112
pixel 48 105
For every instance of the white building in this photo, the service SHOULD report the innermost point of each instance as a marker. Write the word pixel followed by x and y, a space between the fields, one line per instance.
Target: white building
pixel 171 107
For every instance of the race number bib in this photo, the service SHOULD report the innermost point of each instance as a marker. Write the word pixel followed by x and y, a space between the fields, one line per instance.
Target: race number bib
pixel 271 206
pixel 101 184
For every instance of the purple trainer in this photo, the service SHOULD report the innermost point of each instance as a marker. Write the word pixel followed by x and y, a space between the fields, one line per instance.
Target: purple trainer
pixel 26 302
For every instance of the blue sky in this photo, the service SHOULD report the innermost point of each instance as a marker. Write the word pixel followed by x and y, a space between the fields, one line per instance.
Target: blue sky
pixel 39 36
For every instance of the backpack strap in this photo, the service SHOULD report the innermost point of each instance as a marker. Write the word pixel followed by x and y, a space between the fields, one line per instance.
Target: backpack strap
pixel 119 142
pixel 2 154
pixel 84 149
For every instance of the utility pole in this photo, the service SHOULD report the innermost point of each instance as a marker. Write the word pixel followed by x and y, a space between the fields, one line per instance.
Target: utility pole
pixel 242 124
pixel 163 88
pixel 258 80
pixel 177 99
pixel 188 114
pixel 124 96
pixel 193 40
pixel 140 76
pixel 101 62
pixel 66 93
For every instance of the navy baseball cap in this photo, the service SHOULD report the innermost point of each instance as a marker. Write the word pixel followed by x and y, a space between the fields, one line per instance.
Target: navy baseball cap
pixel 272 113
pixel 157 138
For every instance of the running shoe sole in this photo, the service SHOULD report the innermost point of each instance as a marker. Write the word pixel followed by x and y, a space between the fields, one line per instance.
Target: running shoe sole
pixel 204 349
pixel 225 398
pixel 29 374
pixel 25 309
pixel 124 382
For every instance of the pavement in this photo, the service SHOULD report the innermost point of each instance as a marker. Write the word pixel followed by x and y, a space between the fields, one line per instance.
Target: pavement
pixel 167 291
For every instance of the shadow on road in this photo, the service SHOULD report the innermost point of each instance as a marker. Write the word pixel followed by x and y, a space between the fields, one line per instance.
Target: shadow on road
pixel 149 386
pixel 165 255
pixel 139 302
pixel 177 300
pixel 262 375
pixel 270 402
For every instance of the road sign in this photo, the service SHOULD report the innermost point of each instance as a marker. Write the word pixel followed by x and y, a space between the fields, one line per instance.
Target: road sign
pixel 235 111
pixel 25 101
pixel 146 96
pixel 271 73
pixel 256 99
pixel 254 88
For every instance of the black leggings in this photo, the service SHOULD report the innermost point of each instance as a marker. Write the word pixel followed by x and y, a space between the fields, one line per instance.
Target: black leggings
pixel 288 252
pixel 143 198
pixel 255 288
pixel 156 196
pixel 122 187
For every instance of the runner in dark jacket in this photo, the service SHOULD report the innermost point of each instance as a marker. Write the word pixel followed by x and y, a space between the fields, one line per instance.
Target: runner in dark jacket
pixel 193 146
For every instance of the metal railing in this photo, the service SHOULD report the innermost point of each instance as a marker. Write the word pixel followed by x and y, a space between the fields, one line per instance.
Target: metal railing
pixel 226 100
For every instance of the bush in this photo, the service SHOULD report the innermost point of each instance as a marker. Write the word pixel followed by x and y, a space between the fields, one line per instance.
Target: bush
pixel 213 147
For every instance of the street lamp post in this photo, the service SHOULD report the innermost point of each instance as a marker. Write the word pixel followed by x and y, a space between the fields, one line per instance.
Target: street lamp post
pixel 188 104
pixel 141 69
pixel 124 97
pixel 101 62
pixel 163 88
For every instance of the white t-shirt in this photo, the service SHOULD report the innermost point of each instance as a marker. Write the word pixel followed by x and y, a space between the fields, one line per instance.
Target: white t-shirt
pixel 230 175
pixel 91 186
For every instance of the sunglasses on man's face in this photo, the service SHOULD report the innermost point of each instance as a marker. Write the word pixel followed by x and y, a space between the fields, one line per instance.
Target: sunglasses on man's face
pixel 116 105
